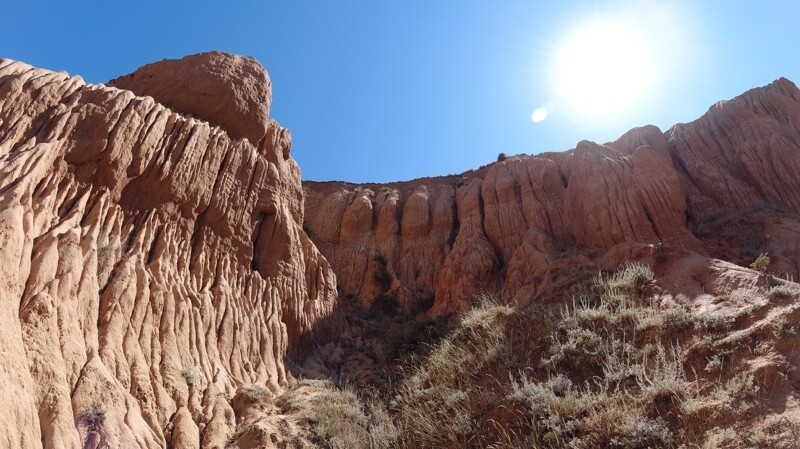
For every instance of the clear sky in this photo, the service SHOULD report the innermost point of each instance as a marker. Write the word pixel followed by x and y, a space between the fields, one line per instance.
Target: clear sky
pixel 386 90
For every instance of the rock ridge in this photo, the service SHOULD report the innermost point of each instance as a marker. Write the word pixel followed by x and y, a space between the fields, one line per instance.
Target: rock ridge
pixel 520 226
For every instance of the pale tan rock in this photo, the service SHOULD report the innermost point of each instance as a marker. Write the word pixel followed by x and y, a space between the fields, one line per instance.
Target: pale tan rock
pixel 185 433
pixel 229 91
pixel 156 264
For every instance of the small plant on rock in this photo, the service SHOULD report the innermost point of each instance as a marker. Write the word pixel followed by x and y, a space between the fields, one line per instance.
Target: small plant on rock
pixel 106 253
pixel 761 263
pixel 93 417
pixel 190 376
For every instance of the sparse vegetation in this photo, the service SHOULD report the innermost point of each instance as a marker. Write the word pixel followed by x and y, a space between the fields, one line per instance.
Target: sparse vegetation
pixel 93 417
pixel 381 274
pixel 240 430
pixel 340 419
pixel 761 264
pixel 190 375
pixel 345 422
pixel 256 393
pixel 614 368
pixel 501 157
pixel 106 253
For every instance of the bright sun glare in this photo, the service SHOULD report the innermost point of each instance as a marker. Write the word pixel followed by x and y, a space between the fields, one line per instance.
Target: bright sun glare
pixel 603 69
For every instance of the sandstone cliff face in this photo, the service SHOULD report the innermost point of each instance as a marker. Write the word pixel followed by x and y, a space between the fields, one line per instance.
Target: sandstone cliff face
pixel 525 224
pixel 152 265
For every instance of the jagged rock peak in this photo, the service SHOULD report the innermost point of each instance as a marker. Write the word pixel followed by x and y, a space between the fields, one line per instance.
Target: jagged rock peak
pixel 230 91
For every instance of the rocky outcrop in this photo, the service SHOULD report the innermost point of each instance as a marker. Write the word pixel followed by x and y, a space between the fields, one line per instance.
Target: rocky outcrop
pixel 153 263
pixel 528 223
pixel 229 91
pixel 160 266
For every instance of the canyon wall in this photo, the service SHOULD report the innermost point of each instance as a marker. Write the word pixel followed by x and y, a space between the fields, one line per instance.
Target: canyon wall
pixel 161 255
pixel 153 264
pixel 725 185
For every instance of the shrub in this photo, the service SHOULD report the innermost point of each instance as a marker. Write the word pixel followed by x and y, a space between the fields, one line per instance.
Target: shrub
pixel 256 393
pixel 761 263
pixel 605 371
pixel 190 376
pixel 307 229
pixel 106 253
pixel 381 275
pixel 93 417
pixel 661 256
pixel 787 289
pixel 344 421
pixel 630 280
pixel 501 157
pixel 385 305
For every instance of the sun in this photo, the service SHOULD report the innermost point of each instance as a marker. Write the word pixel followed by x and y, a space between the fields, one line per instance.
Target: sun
pixel 603 69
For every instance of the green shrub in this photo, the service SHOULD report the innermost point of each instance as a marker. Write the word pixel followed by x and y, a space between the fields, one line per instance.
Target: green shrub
pixel 190 375
pixel 761 263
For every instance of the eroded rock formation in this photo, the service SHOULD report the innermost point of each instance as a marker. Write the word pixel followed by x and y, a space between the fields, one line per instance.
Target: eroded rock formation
pixel 725 185
pixel 153 264
pixel 158 266
pixel 230 91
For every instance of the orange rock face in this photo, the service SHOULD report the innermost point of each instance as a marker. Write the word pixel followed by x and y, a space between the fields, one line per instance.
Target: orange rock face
pixel 229 91
pixel 523 224
pixel 160 254
pixel 152 264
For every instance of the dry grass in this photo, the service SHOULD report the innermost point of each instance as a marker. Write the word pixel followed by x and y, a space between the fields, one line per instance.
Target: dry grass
pixel 93 417
pixel 339 418
pixel 602 372
pixel 613 369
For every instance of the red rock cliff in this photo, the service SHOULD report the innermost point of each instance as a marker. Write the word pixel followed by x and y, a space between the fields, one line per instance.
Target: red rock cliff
pixel 522 224
pixel 152 264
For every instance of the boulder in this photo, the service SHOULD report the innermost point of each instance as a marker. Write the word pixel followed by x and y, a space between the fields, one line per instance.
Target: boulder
pixel 229 91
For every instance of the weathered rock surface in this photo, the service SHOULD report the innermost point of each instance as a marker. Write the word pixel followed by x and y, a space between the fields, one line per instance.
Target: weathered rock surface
pixel 152 264
pixel 157 273
pixel 725 185
pixel 229 91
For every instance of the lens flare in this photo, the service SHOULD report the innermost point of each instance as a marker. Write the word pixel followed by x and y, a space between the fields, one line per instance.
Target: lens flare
pixel 539 115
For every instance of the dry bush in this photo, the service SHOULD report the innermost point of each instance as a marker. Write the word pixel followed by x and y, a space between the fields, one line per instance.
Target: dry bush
pixel 601 372
pixel 761 263
pixel 611 369
pixel 93 417
pixel 341 419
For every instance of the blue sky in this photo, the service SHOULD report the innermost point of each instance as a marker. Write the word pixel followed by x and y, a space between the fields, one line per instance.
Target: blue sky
pixel 394 90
